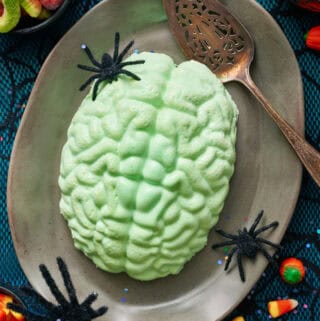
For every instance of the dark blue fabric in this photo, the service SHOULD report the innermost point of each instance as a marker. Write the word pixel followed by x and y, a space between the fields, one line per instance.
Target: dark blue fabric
pixel 20 61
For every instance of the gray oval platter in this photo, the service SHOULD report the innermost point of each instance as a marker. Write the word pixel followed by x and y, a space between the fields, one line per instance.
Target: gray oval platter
pixel 267 176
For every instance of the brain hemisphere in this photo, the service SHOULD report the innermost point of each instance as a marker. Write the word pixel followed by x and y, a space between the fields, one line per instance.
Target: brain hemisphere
pixel 146 167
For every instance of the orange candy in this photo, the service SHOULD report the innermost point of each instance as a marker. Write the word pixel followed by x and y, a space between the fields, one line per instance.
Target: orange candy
pixel 3 316
pixel 312 5
pixel 280 307
pixel 16 316
pixel 4 299
pixel 292 270
pixel 313 38
pixel 7 314
pixel 239 318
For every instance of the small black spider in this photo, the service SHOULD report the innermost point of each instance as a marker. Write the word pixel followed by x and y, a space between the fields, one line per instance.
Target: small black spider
pixel 65 310
pixel 247 243
pixel 110 67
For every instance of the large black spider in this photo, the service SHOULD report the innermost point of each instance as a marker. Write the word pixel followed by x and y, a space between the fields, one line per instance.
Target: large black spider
pixel 110 67
pixel 65 310
pixel 247 243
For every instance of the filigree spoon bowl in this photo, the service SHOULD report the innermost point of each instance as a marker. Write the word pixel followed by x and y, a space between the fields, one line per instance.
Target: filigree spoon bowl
pixel 209 33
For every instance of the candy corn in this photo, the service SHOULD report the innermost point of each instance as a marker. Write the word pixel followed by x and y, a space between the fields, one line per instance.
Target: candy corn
pixel 280 307
pixel 240 318
pixel 313 38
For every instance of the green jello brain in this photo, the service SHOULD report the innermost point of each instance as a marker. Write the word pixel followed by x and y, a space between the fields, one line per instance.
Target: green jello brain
pixel 146 167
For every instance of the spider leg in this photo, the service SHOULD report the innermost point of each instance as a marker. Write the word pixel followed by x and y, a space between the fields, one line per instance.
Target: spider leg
pixel 88 82
pixel 31 292
pixel 90 299
pixel 88 68
pixel 90 56
pixel 266 254
pixel 267 227
pixel 240 266
pixel 29 315
pixel 124 52
pixel 227 235
pixel 129 73
pixel 97 313
pixel 269 243
pixel 67 281
pixel 116 46
pixel 256 222
pixel 95 88
pixel 52 285
pixel 215 246
pixel 128 63
pixel 230 255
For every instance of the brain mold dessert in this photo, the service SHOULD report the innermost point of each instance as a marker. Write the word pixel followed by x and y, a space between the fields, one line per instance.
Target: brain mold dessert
pixel 146 167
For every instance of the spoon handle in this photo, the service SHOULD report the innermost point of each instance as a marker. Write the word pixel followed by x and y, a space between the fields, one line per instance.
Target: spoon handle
pixel 309 156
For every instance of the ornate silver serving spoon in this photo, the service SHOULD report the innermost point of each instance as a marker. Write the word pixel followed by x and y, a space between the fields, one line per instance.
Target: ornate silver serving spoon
pixel 209 33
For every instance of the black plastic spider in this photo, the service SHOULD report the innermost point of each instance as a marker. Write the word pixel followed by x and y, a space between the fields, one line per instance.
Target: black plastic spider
pixel 65 310
pixel 110 67
pixel 247 243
